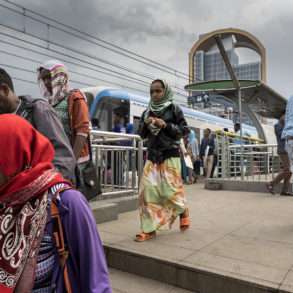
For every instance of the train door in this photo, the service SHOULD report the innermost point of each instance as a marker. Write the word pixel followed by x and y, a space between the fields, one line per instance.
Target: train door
pixel 135 114
pixel 89 99
pixel 104 114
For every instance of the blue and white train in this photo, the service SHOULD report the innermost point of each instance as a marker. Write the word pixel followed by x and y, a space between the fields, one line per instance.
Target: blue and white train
pixel 103 100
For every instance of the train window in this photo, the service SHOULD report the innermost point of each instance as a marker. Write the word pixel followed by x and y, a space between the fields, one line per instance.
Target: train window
pixel 102 115
pixel 105 109
pixel 120 107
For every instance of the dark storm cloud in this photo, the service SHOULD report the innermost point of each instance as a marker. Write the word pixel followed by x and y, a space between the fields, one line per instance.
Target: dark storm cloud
pixel 166 30
pixel 125 20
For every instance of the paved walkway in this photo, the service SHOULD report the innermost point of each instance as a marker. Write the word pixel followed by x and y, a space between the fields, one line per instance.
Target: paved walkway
pixel 247 236
pixel 128 283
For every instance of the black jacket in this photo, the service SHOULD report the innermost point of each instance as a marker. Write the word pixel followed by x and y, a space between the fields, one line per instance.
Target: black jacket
pixel 166 144
pixel 44 118
pixel 207 142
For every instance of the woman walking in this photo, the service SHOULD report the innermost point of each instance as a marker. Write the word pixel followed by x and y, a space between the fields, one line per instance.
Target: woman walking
pixel 161 194
pixel 49 240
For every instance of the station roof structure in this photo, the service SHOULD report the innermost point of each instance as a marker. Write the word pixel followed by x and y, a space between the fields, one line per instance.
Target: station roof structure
pixel 261 98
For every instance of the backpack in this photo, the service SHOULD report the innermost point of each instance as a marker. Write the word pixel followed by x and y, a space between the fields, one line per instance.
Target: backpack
pixel 26 109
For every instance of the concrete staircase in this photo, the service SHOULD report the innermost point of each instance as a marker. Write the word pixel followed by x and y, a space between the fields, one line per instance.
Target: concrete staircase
pixel 106 210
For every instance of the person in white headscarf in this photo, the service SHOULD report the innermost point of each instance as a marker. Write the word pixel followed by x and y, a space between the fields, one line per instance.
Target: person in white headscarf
pixel 71 107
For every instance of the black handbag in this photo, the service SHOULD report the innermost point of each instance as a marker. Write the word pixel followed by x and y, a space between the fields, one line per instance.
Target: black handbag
pixel 88 178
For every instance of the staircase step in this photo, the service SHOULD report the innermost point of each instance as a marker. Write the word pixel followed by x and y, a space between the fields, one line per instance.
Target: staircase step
pixel 109 210
pixel 104 211
pixel 192 278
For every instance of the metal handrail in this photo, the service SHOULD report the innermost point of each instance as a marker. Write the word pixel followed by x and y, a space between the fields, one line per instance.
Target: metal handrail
pixel 251 145
pixel 260 161
pixel 119 166
pixel 115 134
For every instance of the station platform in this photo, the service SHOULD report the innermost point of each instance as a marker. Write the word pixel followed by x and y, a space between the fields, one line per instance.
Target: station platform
pixel 239 242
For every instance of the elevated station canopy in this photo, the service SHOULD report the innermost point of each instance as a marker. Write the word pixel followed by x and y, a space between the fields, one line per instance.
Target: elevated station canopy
pixel 256 94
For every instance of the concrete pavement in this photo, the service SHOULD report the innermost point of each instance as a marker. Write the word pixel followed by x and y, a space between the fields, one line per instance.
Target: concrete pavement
pixel 238 242
pixel 127 283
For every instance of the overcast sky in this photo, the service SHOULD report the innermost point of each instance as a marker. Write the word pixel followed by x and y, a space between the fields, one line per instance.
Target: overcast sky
pixel 166 30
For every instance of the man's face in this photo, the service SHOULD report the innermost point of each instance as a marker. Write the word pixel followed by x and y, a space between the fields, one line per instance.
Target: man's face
pixel 8 101
pixel 45 76
pixel 206 133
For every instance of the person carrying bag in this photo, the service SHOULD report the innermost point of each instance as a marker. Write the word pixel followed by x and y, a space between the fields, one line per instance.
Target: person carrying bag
pixel 72 109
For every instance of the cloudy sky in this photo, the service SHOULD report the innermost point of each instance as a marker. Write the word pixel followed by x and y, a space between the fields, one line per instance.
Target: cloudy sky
pixel 165 30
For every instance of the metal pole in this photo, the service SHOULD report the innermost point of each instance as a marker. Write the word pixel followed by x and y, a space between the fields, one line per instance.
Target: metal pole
pixel 241 133
pixel 227 62
pixel 238 88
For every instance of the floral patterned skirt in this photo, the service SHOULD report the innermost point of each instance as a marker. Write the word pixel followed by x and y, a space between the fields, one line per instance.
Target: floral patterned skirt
pixel 161 195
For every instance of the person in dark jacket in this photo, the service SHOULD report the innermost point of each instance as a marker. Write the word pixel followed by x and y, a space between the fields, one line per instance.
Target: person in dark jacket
pixel 43 117
pixel 285 173
pixel 121 121
pixel 207 148
pixel 161 193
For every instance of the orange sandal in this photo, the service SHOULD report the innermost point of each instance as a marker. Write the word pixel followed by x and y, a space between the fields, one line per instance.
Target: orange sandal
pixel 144 236
pixel 184 220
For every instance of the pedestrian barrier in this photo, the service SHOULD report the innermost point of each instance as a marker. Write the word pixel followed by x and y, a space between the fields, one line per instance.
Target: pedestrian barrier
pixel 119 161
pixel 250 162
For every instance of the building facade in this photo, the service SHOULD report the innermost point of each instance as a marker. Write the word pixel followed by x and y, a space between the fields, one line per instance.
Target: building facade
pixel 209 65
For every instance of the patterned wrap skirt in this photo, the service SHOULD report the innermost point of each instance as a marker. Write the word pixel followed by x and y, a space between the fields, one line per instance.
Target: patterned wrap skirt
pixel 161 195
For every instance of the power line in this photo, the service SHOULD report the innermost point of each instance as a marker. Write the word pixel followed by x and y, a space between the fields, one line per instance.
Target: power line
pixel 72 50
pixel 52 50
pixel 77 52
pixel 72 80
pixel 72 71
pixel 173 70
pixel 89 76
pixel 120 74
pixel 64 54
pixel 24 80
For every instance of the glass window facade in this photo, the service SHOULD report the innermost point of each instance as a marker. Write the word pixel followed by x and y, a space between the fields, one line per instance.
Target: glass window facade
pixel 210 66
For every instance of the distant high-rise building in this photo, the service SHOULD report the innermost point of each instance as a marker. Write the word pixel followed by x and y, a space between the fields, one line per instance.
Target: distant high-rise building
pixel 210 65
pixel 207 64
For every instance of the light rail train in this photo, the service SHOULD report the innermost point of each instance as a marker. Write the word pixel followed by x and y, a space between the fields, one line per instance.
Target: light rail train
pixel 103 101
